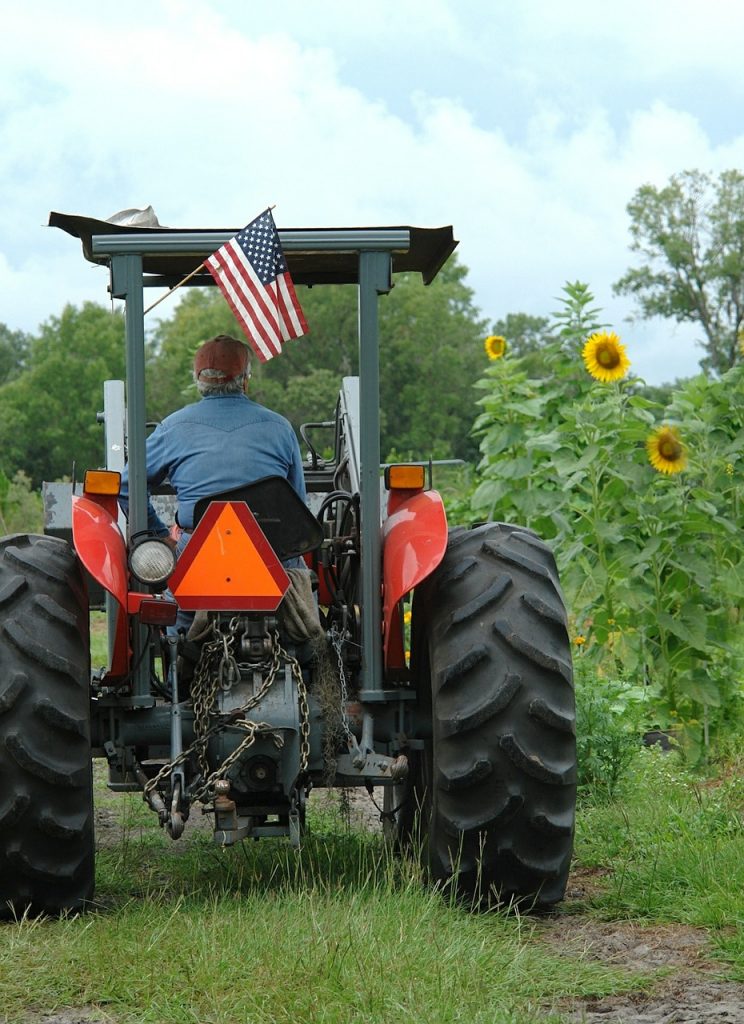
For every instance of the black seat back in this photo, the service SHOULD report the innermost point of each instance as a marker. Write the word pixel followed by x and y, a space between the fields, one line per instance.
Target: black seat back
pixel 289 525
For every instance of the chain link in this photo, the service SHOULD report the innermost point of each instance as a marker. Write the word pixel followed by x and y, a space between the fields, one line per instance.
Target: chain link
pixel 252 729
pixel 304 716
pixel 216 662
pixel 337 643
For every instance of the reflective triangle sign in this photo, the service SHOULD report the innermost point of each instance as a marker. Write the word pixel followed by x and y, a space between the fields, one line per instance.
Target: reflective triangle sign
pixel 228 565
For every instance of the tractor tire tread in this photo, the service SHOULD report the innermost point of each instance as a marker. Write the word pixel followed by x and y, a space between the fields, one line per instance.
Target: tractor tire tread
pixel 493 645
pixel 46 827
pixel 11 689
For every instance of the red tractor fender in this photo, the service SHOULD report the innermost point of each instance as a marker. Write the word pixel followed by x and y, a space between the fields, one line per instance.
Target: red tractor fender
pixel 100 545
pixel 414 540
pixel 101 548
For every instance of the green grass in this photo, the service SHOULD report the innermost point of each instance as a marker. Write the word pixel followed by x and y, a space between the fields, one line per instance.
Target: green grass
pixel 345 932
pixel 292 955
pixel 341 932
pixel 98 639
pixel 675 843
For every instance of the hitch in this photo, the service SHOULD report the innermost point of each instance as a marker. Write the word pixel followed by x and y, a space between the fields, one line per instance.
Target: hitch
pixel 364 763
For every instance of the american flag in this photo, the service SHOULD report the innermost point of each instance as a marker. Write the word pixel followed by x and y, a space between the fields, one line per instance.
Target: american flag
pixel 252 274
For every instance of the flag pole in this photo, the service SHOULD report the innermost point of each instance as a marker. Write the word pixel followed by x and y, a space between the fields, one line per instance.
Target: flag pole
pixel 171 290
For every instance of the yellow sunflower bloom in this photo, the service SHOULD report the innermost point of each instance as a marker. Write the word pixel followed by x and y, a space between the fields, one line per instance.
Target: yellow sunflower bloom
pixel 495 346
pixel 604 357
pixel 579 640
pixel 666 453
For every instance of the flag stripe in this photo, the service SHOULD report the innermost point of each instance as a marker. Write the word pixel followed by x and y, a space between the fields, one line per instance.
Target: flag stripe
pixel 287 318
pixel 289 301
pixel 288 283
pixel 240 311
pixel 265 336
pixel 243 268
pixel 254 292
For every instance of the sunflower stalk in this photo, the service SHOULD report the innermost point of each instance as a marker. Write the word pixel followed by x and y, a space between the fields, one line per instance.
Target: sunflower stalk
pixel 641 504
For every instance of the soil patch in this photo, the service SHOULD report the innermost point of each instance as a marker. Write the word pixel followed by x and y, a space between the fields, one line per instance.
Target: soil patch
pixel 692 991
pixel 355 805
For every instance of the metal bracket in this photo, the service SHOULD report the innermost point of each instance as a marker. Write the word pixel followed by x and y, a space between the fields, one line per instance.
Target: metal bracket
pixel 373 766
pixel 178 813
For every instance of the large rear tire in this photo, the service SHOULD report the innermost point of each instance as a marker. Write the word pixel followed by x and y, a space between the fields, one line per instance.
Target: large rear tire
pixel 495 788
pixel 46 789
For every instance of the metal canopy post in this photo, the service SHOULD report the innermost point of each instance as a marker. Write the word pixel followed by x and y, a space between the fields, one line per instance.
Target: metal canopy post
pixel 126 283
pixel 375 278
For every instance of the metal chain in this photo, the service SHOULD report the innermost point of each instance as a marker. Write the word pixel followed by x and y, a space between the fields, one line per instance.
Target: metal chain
pixel 252 729
pixel 304 716
pixel 204 688
pixel 209 676
pixel 385 815
pixel 337 644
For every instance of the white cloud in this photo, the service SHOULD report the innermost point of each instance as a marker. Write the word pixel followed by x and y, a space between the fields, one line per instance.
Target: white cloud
pixel 191 108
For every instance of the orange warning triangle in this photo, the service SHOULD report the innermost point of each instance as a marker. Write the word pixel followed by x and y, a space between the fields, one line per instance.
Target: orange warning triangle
pixel 228 564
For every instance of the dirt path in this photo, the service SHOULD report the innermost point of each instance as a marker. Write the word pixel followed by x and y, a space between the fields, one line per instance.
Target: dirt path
pixel 692 992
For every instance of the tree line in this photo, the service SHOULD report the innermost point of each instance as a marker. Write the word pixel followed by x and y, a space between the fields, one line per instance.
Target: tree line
pixel 689 236
pixel 431 354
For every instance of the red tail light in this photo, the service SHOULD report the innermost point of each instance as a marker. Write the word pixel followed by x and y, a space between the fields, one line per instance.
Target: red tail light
pixel 158 613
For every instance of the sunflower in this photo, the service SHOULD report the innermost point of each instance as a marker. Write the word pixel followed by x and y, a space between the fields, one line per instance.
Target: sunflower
pixel 665 451
pixel 495 346
pixel 604 357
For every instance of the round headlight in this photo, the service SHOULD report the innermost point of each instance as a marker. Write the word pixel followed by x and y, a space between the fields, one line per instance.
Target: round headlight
pixel 152 561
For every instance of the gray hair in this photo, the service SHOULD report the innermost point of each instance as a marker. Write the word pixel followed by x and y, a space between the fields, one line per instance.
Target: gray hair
pixel 234 386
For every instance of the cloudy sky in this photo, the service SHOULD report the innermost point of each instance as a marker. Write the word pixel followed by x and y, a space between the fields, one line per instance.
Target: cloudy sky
pixel 528 126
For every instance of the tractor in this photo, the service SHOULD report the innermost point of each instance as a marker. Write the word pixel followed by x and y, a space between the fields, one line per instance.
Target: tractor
pixel 286 680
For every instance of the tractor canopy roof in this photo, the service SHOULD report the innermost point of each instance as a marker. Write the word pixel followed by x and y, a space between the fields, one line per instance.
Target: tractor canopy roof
pixel 321 262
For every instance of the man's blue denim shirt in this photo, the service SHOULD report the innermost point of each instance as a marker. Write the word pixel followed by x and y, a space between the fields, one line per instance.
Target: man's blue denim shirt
pixel 221 442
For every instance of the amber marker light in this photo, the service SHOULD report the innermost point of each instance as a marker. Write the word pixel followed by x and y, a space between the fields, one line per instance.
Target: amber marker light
pixel 405 478
pixel 102 481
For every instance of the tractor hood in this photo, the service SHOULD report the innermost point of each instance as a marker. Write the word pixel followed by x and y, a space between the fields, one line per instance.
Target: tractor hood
pixel 428 251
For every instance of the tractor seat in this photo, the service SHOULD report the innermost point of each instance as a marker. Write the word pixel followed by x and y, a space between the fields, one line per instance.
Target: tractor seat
pixel 288 524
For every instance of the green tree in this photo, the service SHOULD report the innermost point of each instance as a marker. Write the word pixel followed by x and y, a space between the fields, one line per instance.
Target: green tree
pixel 20 508
pixel 431 355
pixel 690 235
pixel 48 413
pixel 14 348
pixel 201 314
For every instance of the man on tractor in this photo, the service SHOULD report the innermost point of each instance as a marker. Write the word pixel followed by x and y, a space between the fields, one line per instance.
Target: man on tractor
pixel 224 441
